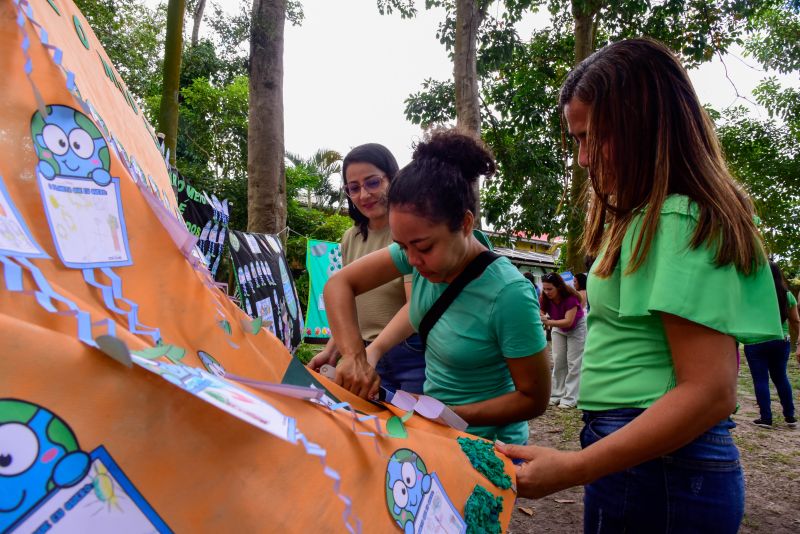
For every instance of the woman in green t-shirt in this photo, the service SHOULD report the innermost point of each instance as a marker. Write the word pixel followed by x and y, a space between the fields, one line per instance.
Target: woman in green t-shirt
pixel 680 275
pixel 486 355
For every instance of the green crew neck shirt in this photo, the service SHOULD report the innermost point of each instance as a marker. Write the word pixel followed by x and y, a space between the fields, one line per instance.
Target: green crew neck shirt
pixel 495 317
pixel 627 361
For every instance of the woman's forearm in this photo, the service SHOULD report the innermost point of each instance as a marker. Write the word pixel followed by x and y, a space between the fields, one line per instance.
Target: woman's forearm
pixel 503 410
pixel 340 301
pixel 398 329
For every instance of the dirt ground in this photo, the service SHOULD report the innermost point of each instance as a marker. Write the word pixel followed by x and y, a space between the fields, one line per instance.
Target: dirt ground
pixel 770 457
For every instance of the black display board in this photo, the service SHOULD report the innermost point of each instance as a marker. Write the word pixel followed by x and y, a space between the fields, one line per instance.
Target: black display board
pixel 265 285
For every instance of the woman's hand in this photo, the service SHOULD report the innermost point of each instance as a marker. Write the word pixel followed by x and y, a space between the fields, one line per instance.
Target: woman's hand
pixel 327 356
pixel 545 470
pixel 358 376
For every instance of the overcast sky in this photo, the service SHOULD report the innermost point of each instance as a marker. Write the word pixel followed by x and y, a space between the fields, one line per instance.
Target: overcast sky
pixel 348 71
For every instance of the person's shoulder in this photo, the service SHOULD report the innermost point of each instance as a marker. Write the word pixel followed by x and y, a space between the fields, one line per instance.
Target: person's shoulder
pixel 350 233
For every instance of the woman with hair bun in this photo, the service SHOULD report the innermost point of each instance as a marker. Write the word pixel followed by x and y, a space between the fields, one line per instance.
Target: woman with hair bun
pixel 486 353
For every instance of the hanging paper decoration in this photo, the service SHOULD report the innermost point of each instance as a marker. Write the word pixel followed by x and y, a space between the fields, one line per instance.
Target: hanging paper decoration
pixel 17 248
pixel 322 260
pixel 265 285
pixel 205 216
pixel 83 204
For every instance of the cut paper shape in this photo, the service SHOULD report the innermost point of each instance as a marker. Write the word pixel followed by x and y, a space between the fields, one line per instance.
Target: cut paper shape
pixel 482 512
pixel 483 458
pixel 171 352
pixel 416 499
pixel 429 408
pixel 15 238
pixel 210 363
pixel 287 390
pixel 252 243
pixel 18 244
pixel 296 374
pixel 116 349
pixel 395 426
pixel 82 202
pixel 225 396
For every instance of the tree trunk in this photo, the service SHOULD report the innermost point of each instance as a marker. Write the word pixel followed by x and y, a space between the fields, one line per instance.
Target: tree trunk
pixel 173 48
pixel 469 17
pixel 584 14
pixel 266 178
pixel 198 18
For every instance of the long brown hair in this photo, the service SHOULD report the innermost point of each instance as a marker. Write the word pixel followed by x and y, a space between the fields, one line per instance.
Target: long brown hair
pixel 648 137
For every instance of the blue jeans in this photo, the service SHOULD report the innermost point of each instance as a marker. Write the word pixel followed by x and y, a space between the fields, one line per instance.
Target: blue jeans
pixel 768 360
pixel 697 488
pixel 403 367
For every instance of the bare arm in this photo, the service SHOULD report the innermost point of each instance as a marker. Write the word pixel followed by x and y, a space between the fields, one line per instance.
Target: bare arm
pixel 398 329
pixel 794 324
pixel 566 322
pixel 705 369
pixel 373 270
pixel 531 377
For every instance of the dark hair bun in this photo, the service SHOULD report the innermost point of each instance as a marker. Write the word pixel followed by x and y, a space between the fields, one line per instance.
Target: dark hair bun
pixel 460 149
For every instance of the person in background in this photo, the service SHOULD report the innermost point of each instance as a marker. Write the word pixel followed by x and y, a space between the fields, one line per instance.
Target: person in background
pixel 680 275
pixel 580 287
pixel 561 309
pixel 368 170
pixel 768 360
pixel 486 356
pixel 532 279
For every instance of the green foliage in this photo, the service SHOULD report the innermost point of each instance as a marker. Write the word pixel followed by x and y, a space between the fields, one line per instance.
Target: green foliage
pixel 765 157
pixel 520 83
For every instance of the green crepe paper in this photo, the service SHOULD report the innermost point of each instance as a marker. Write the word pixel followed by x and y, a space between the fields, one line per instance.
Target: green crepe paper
pixel 173 353
pixel 485 461
pixel 482 512
pixel 395 427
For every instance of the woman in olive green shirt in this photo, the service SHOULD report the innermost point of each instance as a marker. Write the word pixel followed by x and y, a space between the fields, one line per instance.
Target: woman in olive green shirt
pixel 680 275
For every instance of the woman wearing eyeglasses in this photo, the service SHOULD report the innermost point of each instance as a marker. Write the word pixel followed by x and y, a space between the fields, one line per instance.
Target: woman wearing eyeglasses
pixel 367 171
pixel 563 308
pixel 486 353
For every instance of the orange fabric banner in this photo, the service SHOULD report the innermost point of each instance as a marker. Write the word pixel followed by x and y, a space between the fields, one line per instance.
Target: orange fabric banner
pixel 89 444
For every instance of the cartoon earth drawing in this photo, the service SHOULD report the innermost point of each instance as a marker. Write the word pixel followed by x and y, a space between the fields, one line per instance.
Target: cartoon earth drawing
pixel 68 143
pixel 38 454
pixel 407 482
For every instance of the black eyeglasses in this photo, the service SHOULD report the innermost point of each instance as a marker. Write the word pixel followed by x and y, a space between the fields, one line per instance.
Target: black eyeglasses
pixel 371 184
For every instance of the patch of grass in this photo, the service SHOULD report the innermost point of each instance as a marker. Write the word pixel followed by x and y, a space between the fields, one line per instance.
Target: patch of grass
pixel 305 352
pixel 570 423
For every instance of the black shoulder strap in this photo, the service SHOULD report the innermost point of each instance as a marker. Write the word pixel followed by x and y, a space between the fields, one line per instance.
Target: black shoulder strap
pixel 470 273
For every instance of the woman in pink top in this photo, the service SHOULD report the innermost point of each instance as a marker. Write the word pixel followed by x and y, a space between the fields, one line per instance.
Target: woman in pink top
pixel 561 309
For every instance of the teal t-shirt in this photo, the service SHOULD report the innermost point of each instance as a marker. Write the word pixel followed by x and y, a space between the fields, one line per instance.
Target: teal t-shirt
pixel 495 317
pixel 792 302
pixel 627 361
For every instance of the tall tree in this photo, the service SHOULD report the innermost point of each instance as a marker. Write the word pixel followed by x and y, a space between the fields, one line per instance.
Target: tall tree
pixel 173 49
pixel 199 8
pixel 266 180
